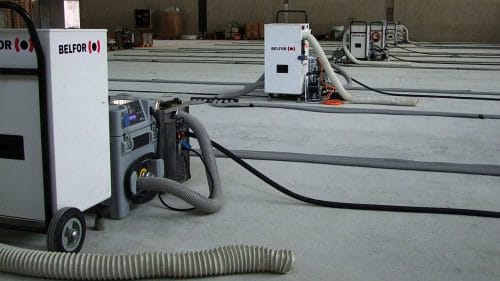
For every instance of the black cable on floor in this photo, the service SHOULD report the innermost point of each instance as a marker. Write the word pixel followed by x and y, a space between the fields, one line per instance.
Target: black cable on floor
pixel 445 62
pixel 188 209
pixel 421 96
pixel 354 206
pixel 451 55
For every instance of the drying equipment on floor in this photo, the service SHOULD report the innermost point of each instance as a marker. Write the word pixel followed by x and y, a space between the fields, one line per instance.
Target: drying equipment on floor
pixel 69 150
pixel 64 150
pixel 54 136
pixel 286 58
pixel 289 70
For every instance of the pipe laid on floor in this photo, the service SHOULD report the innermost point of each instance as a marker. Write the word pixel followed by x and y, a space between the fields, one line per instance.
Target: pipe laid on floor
pixel 246 90
pixel 369 162
pixel 346 110
pixel 219 261
pixel 431 91
pixel 340 88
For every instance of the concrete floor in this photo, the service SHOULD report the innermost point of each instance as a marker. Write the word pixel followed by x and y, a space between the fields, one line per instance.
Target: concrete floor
pixel 329 244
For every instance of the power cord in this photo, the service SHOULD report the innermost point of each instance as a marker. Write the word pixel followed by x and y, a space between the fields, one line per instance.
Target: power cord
pixel 352 206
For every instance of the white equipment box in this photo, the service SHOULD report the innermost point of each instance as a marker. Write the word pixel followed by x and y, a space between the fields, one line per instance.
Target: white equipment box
pixel 392 34
pixel 286 58
pixel 377 34
pixel 359 40
pixel 78 125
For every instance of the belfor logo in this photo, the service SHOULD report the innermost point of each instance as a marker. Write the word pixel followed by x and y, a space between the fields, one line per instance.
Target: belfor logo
pixel 95 46
pixel 289 48
pixel 23 45
pixel 90 47
pixel 18 45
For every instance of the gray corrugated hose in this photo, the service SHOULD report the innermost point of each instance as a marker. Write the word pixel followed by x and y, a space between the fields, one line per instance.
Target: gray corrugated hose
pixel 202 203
pixel 340 88
pixel 219 261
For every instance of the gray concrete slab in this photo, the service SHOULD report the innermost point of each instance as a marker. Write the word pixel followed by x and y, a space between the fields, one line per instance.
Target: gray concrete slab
pixel 329 244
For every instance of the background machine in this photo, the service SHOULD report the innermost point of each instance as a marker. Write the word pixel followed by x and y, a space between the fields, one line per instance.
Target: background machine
pixel 286 58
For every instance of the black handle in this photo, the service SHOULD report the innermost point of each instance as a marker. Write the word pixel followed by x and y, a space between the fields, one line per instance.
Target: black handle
pixel 40 56
pixel 376 23
pixel 42 95
pixel 358 22
pixel 292 11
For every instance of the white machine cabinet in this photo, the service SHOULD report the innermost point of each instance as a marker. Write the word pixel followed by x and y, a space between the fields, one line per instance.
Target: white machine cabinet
pixel 286 58
pixel 377 34
pixel 78 132
pixel 392 34
pixel 359 40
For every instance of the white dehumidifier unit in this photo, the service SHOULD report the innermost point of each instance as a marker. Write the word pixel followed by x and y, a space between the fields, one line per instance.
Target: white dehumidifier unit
pixel 286 58
pixel 54 134
pixel 377 35
pixel 391 34
pixel 359 45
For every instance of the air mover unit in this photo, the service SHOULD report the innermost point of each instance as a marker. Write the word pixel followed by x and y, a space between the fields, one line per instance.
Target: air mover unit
pixel 359 40
pixel 286 58
pixel 54 134
pixel 391 34
pixel 377 35
pixel 377 44
pixel 145 142
pixel 133 150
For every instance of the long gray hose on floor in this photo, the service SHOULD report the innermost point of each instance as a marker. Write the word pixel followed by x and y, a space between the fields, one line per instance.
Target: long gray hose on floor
pixel 204 204
pixel 340 88
pixel 346 110
pixel 246 90
pixel 71 266
pixel 233 95
pixel 369 162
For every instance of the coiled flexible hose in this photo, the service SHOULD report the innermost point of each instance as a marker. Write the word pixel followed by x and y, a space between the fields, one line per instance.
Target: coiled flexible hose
pixel 340 88
pixel 205 204
pixel 219 261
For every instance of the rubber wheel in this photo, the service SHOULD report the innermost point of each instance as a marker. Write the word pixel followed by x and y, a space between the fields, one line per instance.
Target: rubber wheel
pixel 66 232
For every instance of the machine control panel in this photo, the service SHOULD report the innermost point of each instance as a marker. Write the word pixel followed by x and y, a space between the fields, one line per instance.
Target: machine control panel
pixel 135 114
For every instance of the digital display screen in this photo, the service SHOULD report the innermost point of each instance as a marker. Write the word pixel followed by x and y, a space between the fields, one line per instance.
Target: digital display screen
pixel 135 113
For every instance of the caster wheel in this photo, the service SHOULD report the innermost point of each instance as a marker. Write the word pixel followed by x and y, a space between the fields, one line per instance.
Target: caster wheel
pixel 66 232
